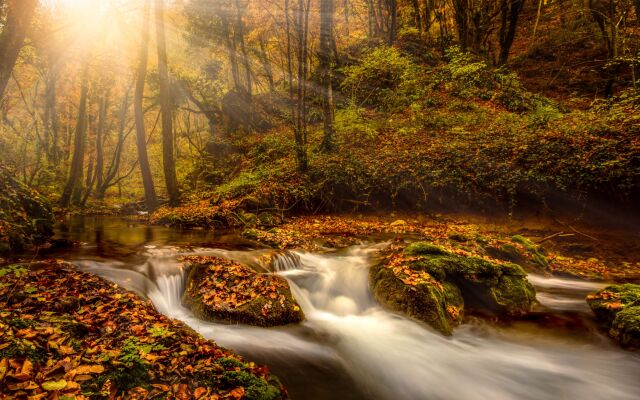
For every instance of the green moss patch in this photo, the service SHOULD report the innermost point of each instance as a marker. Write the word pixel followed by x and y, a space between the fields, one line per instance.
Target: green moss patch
pixel 617 307
pixel 435 286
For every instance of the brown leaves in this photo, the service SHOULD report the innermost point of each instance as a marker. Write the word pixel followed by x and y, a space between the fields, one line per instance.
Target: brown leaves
pixel 48 352
pixel 229 285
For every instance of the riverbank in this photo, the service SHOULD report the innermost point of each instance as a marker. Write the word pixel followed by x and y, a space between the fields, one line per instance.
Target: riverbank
pixel 539 245
pixel 68 333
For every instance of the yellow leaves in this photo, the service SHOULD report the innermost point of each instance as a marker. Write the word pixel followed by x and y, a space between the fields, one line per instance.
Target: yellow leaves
pixel 4 366
pixel 51 386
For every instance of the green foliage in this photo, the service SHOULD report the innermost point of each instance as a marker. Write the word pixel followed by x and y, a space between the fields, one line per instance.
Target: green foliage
pixel 14 269
pixel 384 78
pixel 469 77
pixel 351 124
pixel 255 388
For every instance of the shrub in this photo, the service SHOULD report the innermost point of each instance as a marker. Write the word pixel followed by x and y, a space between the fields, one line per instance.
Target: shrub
pixel 384 78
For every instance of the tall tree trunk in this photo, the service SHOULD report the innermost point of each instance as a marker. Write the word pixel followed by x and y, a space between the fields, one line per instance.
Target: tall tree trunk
pixel 326 65
pixel 393 20
pixel 100 134
pixel 19 15
pixel 143 158
pixel 300 130
pixel 166 109
pixel 75 169
pixel 509 15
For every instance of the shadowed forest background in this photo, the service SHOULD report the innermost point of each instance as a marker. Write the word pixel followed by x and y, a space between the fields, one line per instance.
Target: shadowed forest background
pixel 245 109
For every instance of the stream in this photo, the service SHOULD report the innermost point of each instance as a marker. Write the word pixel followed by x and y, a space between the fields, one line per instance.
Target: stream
pixel 349 347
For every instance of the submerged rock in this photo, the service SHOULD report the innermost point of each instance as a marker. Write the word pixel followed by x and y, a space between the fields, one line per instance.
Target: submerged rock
pixel 617 307
pixel 430 284
pixel 225 291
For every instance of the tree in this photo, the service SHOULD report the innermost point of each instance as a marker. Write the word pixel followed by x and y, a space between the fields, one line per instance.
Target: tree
pixel 509 14
pixel 168 156
pixel 74 179
pixel 16 25
pixel 326 64
pixel 141 140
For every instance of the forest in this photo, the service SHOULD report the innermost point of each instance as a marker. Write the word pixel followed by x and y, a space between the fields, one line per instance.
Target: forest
pixel 319 199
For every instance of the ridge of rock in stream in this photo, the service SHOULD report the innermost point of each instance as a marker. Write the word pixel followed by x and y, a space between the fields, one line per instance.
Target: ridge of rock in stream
pixel 225 291
pixel 430 284
pixel 617 307
pixel 71 334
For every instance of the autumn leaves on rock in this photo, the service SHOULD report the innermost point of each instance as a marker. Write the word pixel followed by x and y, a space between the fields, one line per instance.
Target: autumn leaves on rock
pixel 68 334
pixel 617 307
pixel 428 283
pixel 225 291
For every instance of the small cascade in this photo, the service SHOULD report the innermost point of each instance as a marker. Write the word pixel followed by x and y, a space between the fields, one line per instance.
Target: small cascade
pixel 563 294
pixel 285 261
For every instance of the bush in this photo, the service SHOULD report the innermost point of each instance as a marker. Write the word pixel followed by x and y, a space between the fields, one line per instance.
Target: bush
pixel 384 78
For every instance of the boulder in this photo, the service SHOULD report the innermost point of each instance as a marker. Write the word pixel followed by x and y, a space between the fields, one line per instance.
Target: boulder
pixel 428 283
pixel 617 307
pixel 225 291
pixel 26 218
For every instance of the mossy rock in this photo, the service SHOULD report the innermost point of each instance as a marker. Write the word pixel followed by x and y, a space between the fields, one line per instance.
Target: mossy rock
pixel 424 302
pixel 430 284
pixel 535 252
pixel 424 249
pixel 617 307
pixel 224 291
pixel 626 327
pixel 26 218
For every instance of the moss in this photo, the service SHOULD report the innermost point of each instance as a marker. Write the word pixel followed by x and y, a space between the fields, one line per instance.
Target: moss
pixel 534 251
pixel 514 294
pixel 424 302
pixel 607 302
pixel 255 388
pixel 20 350
pixel 459 284
pixel 458 237
pixel 423 249
pixel 626 327
pixel 618 308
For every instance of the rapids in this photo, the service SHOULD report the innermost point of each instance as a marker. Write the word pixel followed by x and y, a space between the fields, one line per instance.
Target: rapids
pixel 351 348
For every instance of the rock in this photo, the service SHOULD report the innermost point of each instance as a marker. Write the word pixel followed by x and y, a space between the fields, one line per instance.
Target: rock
pixel 427 283
pixel 26 218
pixel 225 291
pixel 423 301
pixel 617 307
pixel 535 252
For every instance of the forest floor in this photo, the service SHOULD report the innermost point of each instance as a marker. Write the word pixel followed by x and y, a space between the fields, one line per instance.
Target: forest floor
pixel 69 334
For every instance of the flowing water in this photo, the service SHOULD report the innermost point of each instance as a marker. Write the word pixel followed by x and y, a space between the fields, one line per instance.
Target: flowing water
pixel 351 348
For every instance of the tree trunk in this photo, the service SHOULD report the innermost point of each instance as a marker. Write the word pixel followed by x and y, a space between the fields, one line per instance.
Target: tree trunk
pixel 75 170
pixel 509 15
pixel 100 134
pixel 143 158
pixel 166 109
pixel 19 15
pixel 326 65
